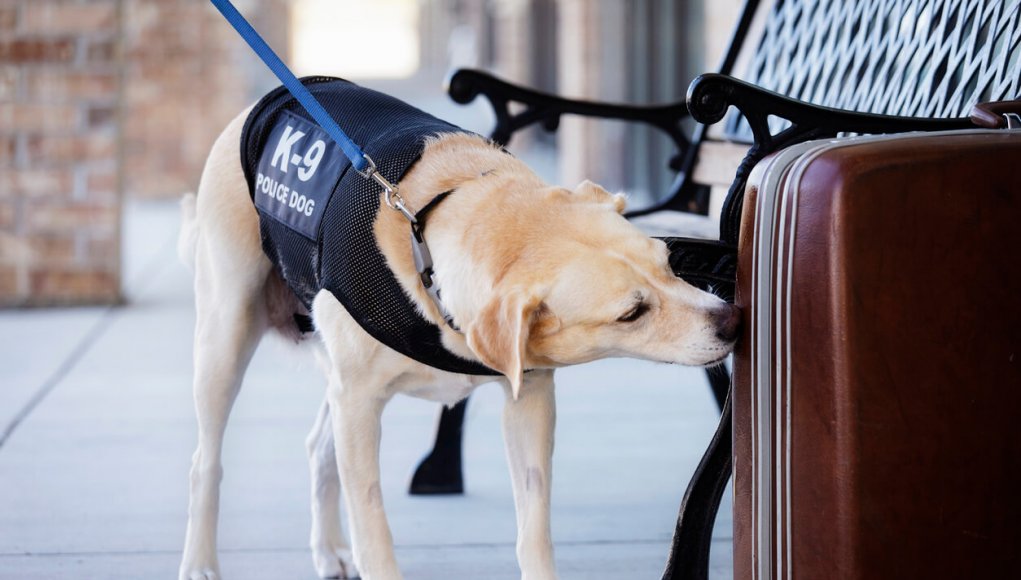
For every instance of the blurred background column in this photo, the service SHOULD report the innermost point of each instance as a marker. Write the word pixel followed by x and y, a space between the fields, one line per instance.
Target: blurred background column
pixel 630 51
pixel 592 66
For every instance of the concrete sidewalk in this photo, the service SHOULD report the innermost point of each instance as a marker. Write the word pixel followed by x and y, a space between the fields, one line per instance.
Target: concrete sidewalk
pixel 95 407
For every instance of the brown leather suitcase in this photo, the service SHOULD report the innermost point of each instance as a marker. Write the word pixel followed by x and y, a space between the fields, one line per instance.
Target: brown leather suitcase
pixel 877 390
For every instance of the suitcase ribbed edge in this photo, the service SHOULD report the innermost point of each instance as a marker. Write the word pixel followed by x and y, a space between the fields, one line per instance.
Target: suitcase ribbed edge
pixel 770 202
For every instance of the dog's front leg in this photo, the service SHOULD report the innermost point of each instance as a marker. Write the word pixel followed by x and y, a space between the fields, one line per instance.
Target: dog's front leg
pixel 356 426
pixel 331 553
pixel 528 424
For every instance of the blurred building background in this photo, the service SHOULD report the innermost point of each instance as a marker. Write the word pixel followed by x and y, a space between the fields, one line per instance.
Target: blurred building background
pixel 104 102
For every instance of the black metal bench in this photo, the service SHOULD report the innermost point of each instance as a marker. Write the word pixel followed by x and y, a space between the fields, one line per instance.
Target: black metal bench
pixel 811 69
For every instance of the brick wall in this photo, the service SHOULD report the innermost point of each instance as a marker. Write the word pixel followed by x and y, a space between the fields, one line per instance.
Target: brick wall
pixel 102 100
pixel 60 99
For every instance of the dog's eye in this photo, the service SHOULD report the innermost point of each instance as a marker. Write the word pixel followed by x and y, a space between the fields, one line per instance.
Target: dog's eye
pixel 635 313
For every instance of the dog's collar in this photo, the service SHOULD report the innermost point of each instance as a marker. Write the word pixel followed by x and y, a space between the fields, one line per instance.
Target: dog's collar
pixel 424 260
pixel 420 250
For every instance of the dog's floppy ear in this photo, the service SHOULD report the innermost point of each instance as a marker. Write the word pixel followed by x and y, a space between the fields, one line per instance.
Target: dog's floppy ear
pixel 499 335
pixel 595 193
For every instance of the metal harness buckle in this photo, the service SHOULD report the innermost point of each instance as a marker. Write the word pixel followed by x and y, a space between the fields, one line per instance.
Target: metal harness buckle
pixel 391 195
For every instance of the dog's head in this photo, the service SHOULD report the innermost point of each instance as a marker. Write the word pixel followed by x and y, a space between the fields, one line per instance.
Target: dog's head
pixel 580 283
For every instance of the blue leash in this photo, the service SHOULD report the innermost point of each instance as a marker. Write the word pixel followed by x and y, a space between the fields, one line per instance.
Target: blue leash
pixel 359 160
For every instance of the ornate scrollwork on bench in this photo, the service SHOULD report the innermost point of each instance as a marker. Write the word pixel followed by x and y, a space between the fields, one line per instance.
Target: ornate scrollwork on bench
pixel 707 264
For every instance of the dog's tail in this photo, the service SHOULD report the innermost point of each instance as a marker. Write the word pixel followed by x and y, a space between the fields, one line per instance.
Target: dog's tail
pixel 188 238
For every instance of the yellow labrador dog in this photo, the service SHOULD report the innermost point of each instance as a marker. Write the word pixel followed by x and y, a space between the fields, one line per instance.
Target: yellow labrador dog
pixel 536 277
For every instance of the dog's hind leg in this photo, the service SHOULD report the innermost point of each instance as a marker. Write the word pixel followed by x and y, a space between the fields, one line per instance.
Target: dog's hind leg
pixel 331 553
pixel 225 340
pixel 528 425
pixel 221 230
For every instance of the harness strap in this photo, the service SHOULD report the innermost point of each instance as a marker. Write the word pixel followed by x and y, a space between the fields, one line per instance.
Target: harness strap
pixel 359 160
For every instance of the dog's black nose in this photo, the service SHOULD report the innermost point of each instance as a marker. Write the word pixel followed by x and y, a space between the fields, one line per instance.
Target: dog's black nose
pixel 727 319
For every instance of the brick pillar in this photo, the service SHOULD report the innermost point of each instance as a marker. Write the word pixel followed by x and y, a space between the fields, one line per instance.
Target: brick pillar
pixel 60 186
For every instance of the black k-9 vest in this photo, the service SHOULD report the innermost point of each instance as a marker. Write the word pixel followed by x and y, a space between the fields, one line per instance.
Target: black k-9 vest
pixel 316 212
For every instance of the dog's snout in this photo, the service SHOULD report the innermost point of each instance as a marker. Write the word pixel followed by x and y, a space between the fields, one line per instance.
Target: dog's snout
pixel 727 320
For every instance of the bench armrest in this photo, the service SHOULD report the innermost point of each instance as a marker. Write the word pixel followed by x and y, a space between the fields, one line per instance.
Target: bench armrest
pixel 539 107
pixel 711 95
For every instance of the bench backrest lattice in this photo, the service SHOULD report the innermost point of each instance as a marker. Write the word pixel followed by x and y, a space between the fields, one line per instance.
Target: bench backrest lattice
pixel 911 58
pixel 817 68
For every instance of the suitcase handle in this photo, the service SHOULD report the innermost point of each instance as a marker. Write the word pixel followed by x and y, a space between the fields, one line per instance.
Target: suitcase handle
pixel 997 114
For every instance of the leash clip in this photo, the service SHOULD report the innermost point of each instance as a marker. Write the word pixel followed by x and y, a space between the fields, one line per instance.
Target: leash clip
pixel 391 196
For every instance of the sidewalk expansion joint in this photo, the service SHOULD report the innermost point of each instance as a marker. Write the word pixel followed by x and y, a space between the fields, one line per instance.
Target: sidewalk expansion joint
pixel 462 546
pixel 144 278
pixel 97 329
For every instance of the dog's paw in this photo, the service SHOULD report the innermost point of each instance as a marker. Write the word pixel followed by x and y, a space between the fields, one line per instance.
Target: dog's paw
pixel 199 573
pixel 334 563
